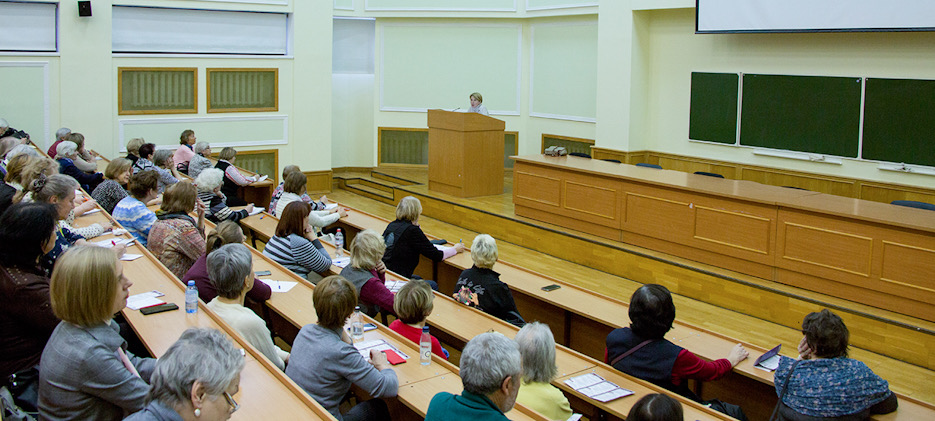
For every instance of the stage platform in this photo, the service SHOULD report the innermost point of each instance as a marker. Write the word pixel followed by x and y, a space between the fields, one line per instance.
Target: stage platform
pixel 616 269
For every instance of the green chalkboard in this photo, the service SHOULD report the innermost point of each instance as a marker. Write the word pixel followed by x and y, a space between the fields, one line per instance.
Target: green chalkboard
pixel 815 114
pixel 899 121
pixel 713 114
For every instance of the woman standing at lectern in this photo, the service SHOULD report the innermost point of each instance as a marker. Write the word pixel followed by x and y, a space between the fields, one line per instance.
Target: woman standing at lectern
pixel 477 105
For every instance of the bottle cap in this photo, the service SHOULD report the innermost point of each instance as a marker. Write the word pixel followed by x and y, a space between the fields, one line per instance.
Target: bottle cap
pixel 425 329
pixel 191 283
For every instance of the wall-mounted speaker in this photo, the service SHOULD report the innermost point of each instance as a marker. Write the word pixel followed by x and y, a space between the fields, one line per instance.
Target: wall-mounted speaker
pixel 84 8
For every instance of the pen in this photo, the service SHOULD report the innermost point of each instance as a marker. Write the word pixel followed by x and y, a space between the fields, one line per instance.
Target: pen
pixel 113 243
pixel 261 216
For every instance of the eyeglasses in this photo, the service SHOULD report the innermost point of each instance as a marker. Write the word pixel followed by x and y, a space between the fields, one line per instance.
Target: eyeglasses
pixel 230 401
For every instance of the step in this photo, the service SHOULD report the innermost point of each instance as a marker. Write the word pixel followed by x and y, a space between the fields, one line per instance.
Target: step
pixel 364 188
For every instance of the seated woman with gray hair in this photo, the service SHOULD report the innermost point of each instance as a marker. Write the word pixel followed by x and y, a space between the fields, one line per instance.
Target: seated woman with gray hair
pixel 491 368
pixel 200 161
pixel 164 166
pixel 537 346
pixel 481 287
pixel 84 160
pixel 230 269
pixel 368 274
pixel 209 184
pixel 195 379
pixel 67 153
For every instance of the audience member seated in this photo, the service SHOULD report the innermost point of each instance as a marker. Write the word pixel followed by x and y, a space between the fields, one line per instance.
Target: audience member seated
pixel 184 153
pixel 27 232
pixel 168 175
pixel 656 407
pixel 6 144
pixel 84 160
pixel 294 191
pixel 177 239
pixel 133 148
pixel 481 287
pixel 36 167
pixel 296 246
pixel 12 184
pixel 67 152
pixel 145 160
pixel 57 190
pixel 405 240
pixel 17 150
pixel 233 179
pixel 82 206
pixel 491 368
pixel 131 212
pixel 277 192
pixel 209 191
pixel 325 363
pixel 226 232
pixel 195 379
pixel 230 269
pixel 823 384
pixel 652 357
pixel 368 274
pixel 87 373
pixel 200 161
pixel 413 304
pixel 114 187
pixel 61 135
pixel 537 347
pixel 7 131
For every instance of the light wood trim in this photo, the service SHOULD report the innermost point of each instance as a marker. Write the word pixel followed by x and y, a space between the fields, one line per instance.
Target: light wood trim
pixel 568 138
pixel 121 70
pixel 275 106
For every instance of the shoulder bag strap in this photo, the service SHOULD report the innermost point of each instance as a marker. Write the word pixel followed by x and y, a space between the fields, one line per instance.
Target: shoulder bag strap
pixel 632 350
pixel 785 387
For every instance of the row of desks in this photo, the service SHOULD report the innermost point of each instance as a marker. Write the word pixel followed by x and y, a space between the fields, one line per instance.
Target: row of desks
pixel 581 320
pixel 455 324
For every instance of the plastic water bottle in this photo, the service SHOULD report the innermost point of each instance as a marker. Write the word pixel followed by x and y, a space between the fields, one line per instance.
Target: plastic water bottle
pixel 425 346
pixel 357 326
pixel 191 298
pixel 339 242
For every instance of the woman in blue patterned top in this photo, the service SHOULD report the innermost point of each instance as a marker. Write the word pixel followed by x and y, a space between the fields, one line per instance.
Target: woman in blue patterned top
pixel 824 383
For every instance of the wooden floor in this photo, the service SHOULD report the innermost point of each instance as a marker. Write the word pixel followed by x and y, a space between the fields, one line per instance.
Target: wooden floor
pixel 906 378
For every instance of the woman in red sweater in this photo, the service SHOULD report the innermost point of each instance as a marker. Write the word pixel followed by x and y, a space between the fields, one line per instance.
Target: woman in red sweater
pixel 414 304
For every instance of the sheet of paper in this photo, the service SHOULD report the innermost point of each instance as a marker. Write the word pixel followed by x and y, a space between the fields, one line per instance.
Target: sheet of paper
pixel 127 257
pixel 113 242
pixel 256 210
pixel 442 248
pixel 146 299
pixel 613 394
pixel 583 381
pixel 279 286
pixel 600 388
pixel 574 417
pixel 379 345
pixel 91 212
pixel 393 285
pixel 769 364
pixel 341 262
pixel 260 178
pixel 330 206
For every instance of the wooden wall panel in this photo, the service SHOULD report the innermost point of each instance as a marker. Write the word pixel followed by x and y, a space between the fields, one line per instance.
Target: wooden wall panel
pixel 825 250
pixel 889 192
pixel 591 200
pixel 738 230
pixel 909 266
pixel 318 181
pixel 537 188
pixel 655 216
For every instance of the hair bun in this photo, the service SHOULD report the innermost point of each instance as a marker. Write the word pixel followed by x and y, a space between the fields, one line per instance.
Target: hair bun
pixel 39 182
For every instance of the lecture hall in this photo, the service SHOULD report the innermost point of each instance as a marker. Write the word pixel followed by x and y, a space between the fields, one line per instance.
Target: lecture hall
pixel 467 209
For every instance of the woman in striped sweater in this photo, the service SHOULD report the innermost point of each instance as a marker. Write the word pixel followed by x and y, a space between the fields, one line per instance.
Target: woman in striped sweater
pixel 296 246
pixel 209 191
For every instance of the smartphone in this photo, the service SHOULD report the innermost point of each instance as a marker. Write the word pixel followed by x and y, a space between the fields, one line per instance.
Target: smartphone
pixel 369 326
pixel 552 287
pixel 263 273
pixel 159 309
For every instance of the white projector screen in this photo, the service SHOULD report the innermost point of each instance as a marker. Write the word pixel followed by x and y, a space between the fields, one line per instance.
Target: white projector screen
pixel 714 16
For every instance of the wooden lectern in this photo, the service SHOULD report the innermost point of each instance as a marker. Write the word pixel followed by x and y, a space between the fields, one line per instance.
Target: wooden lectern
pixel 465 154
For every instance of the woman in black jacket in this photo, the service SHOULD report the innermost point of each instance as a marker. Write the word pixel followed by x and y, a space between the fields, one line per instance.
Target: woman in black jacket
pixel 405 241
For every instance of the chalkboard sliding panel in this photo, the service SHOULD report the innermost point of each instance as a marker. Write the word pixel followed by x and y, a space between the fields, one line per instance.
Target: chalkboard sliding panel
pixel 899 121
pixel 713 112
pixel 815 114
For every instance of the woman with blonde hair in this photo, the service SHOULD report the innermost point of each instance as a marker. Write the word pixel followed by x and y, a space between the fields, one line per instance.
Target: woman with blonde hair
pixel 226 232
pixel 11 186
pixel 133 148
pixel 368 274
pixel 405 240
pixel 114 187
pixel 87 372
pixel 477 104
pixel 413 304
pixel 481 287
pixel 537 346
pixel 176 239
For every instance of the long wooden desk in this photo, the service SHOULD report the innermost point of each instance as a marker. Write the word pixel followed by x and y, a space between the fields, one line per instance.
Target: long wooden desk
pixel 456 324
pixel 858 250
pixel 264 390
pixel 581 320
